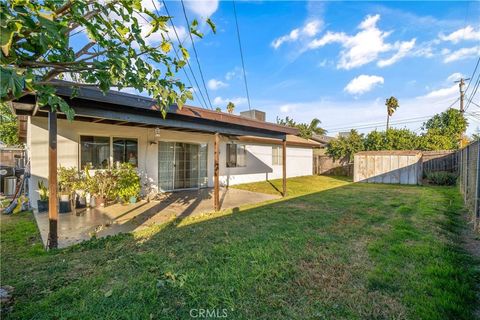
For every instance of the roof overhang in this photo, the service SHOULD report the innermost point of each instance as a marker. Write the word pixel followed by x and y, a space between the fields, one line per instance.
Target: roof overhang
pixel 91 104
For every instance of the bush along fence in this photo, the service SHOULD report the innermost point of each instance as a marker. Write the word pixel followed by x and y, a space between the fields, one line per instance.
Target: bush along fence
pixel 469 179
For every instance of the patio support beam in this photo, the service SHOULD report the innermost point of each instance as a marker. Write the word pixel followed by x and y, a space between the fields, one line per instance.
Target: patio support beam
pixel 52 181
pixel 216 169
pixel 284 166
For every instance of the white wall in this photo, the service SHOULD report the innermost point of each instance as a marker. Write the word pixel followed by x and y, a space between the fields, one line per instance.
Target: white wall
pixel 259 164
pixel 259 156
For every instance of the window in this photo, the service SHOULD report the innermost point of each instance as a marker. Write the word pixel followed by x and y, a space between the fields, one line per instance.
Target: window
pixel 236 155
pixel 277 156
pixel 95 152
pixel 125 150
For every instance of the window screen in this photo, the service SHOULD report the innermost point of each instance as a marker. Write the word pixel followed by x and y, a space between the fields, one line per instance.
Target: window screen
pixel 277 155
pixel 125 150
pixel 236 155
pixel 95 152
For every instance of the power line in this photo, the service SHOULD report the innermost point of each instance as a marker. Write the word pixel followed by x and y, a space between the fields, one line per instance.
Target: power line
pixel 196 54
pixel 474 92
pixel 241 53
pixel 376 124
pixel 473 75
pixel 178 56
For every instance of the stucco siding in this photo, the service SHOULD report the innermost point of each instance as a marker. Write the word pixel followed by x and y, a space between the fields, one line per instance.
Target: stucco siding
pixel 258 159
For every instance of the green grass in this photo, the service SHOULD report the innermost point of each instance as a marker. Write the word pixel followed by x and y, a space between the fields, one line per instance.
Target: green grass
pixel 332 249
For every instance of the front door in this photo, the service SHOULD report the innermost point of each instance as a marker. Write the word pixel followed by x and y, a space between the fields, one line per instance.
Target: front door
pixel 181 165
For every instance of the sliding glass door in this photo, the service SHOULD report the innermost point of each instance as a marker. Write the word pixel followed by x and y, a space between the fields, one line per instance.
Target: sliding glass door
pixel 182 165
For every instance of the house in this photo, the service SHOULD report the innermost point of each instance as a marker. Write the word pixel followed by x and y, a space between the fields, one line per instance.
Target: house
pixel 181 151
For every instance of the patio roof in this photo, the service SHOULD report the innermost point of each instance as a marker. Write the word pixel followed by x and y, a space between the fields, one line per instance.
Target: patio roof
pixel 127 109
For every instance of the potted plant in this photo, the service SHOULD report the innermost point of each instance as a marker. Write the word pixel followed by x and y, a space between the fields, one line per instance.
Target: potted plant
pixel 67 180
pixel 105 182
pixel 128 183
pixel 42 203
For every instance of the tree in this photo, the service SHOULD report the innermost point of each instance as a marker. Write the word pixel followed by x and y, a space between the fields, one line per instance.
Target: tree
pixel 38 46
pixel 8 127
pixel 306 130
pixel 345 147
pixel 447 128
pixel 218 109
pixel 393 139
pixel 230 107
pixel 392 105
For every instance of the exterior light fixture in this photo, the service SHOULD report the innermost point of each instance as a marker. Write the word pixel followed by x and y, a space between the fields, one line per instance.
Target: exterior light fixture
pixel 157 132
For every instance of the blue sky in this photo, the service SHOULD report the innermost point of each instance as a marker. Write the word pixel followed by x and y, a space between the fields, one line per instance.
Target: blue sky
pixel 337 61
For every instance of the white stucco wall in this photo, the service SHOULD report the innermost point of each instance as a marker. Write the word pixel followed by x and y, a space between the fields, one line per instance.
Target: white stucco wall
pixel 259 156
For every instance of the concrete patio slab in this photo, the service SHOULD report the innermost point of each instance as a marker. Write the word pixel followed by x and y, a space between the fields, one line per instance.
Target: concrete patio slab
pixel 83 224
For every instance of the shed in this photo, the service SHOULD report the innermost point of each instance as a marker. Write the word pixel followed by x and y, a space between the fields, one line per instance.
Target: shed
pixel 397 167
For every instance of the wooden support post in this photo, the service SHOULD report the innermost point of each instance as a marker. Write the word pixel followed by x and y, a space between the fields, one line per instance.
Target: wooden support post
pixel 284 166
pixel 216 169
pixel 52 181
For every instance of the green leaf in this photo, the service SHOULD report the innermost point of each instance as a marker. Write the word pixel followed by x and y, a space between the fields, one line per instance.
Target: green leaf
pixel 212 25
pixel 6 36
pixel 11 82
pixel 196 32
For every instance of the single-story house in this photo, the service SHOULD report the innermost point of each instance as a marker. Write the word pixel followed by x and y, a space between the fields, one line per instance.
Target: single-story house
pixel 171 153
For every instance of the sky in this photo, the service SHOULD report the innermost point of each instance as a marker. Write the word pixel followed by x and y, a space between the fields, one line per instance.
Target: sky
pixel 336 61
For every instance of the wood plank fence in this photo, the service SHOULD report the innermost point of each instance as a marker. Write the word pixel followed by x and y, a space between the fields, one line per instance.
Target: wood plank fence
pixel 445 160
pixel 323 164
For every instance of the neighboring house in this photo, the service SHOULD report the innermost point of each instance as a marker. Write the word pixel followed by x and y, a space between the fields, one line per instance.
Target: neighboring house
pixel 172 153
pixel 323 140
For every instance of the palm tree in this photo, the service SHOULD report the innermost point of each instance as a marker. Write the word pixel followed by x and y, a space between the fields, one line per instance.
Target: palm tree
pixel 230 107
pixel 392 105
pixel 307 130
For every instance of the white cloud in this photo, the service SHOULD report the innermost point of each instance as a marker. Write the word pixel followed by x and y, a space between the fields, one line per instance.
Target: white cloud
pixel 461 54
pixel 365 46
pixel 235 73
pixel 152 5
pixel 238 101
pixel 214 84
pixel 403 49
pixel 363 83
pixel 467 33
pixel 202 8
pixel 287 108
pixel 442 93
pixel 310 29
pixel 455 76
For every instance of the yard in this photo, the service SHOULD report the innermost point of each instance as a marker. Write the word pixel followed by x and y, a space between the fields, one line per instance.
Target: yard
pixel 332 249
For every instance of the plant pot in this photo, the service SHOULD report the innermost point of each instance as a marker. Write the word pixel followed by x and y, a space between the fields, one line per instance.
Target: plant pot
pixel 80 202
pixel 100 201
pixel 133 199
pixel 64 206
pixel 42 205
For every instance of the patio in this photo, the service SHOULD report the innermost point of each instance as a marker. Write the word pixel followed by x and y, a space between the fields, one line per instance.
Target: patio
pixel 83 224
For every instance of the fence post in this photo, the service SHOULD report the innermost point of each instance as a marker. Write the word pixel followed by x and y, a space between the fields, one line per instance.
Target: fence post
pixel 465 183
pixel 477 190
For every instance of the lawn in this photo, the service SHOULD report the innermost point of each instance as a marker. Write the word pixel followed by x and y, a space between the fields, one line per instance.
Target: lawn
pixel 332 249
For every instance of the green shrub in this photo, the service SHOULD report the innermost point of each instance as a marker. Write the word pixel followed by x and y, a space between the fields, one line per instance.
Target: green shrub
pixel 442 178
pixel 128 182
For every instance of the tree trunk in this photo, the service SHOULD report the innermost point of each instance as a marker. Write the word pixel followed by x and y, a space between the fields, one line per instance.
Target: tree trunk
pixel 388 120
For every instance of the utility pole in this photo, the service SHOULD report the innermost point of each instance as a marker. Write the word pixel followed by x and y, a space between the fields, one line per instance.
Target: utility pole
pixel 461 84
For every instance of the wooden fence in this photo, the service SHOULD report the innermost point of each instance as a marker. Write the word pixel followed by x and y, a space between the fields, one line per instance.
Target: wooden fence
pixel 402 167
pixel 434 161
pixel 323 164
